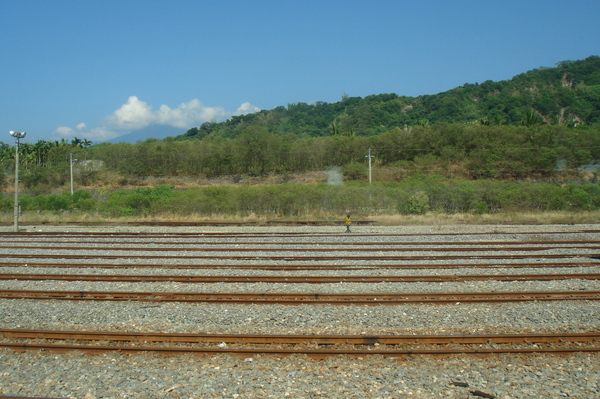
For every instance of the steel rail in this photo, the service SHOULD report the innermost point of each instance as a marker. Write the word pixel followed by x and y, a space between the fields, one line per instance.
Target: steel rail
pixel 318 353
pixel 313 243
pixel 307 298
pixel 283 267
pixel 277 234
pixel 321 339
pixel 118 247
pixel 292 258
pixel 296 279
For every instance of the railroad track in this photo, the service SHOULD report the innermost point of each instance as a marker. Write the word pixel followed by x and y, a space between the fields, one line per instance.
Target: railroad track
pixel 298 279
pixel 361 258
pixel 283 267
pixel 552 244
pixel 346 248
pixel 228 234
pixel 312 345
pixel 293 258
pixel 304 299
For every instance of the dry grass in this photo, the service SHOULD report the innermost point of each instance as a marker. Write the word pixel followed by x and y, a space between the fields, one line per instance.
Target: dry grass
pixel 96 218
pixel 430 219
pixel 495 218
pixel 112 180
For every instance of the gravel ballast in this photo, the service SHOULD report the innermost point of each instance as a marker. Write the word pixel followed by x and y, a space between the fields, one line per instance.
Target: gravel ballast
pixel 116 375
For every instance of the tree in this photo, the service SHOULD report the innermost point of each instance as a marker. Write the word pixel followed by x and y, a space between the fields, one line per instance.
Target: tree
pixel 531 119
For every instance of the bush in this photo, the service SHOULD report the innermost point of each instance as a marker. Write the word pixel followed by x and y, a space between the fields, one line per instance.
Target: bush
pixel 6 204
pixel 418 203
pixel 355 171
pixel 80 200
pixel 140 201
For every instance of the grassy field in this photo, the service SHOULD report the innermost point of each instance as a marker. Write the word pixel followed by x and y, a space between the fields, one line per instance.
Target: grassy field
pixel 419 200
pixel 429 218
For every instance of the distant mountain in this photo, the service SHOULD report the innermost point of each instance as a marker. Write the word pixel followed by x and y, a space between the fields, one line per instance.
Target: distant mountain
pixel 158 132
pixel 566 94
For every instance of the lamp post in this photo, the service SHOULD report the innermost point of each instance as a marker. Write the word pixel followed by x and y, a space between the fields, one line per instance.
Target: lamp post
pixel 17 136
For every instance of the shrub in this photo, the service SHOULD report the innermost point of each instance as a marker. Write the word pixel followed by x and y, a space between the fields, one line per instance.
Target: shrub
pixel 80 200
pixel 418 203
pixel 140 201
pixel 355 171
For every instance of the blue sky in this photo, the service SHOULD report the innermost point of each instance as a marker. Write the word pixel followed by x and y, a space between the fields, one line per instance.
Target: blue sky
pixel 100 69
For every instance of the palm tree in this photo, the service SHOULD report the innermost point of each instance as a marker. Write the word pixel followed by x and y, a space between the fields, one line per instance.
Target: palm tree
pixel 27 155
pixel 335 128
pixel 6 152
pixel 41 149
pixel 76 142
pixel 531 119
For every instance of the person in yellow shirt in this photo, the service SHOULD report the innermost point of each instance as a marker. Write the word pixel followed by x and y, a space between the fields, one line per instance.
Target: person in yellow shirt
pixel 348 222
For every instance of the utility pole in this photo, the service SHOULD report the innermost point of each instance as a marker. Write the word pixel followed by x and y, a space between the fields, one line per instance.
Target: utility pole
pixel 71 165
pixel 17 136
pixel 369 156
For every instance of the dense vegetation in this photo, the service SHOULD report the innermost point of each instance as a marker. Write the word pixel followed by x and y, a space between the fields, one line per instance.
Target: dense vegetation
pixel 417 195
pixel 454 150
pixel 567 94
pixel 528 143
pixel 42 164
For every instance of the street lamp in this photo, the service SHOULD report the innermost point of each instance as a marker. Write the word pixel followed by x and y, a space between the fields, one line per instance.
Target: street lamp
pixel 17 136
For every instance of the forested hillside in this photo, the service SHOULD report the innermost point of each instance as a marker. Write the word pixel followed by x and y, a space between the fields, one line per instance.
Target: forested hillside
pixel 567 94
pixel 541 125
pixel 452 150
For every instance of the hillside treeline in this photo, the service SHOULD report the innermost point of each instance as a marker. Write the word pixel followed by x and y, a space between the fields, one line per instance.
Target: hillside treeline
pixel 42 164
pixel 530 143
pixel 453 150
pixel 567 94
pixel 450 150
pixel 540 123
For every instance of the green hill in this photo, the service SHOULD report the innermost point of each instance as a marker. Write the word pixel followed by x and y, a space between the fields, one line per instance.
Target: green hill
pixel 540 125
pixel 567 94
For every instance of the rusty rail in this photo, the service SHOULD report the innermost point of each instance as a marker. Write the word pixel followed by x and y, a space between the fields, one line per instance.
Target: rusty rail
pixel 392 345
pixel 297 279
pixel 304 299
pixel 276 234
pixel 156 241
pixel 321 339
pixel 292 258
pixel 318 353
pixel 282 267
pixel 347 248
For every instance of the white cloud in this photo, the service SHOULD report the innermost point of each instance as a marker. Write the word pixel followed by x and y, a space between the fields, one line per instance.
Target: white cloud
pixel 132 115
pixel 189 114
pixel 136 114
pixel 246 108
